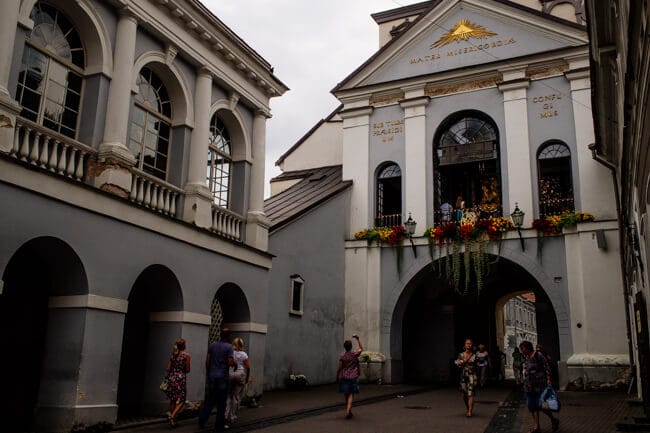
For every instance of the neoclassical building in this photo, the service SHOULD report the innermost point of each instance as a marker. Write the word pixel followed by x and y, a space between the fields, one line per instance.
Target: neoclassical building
pixel 132 155
pixel 485 100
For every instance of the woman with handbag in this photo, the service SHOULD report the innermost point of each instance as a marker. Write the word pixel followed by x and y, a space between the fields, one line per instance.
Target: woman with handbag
pixel 177 368
pixel 537 376
pixel 238 378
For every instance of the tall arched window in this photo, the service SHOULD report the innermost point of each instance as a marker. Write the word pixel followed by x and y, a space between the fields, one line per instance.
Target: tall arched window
pixel 467 165
pixel 151 124
pixel 219 167
pixel 555 180
pixel 389 196
pixel 51 72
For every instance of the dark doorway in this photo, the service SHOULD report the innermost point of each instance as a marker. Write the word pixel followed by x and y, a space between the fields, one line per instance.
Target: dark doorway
pixel 23 322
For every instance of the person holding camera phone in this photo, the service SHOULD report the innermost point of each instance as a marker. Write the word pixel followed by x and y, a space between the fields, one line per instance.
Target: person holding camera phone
pixel 348 373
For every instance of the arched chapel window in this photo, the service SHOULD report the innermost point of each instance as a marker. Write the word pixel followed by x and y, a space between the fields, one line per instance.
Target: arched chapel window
pixel 466 166
pixel 151 124
pixel 389 196
pixel 51 72
pixel 555 180
pixel 219 168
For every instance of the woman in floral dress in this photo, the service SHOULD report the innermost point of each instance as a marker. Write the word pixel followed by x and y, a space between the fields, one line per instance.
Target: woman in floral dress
pixel 467 363
pixel 177 369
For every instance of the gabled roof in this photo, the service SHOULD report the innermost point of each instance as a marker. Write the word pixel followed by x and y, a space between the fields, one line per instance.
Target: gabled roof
pixel 317 185
pixel 407 34
pixel 308 134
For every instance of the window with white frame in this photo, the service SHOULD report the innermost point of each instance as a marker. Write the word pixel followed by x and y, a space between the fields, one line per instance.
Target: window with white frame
pixel 219 166
pixel 51 72
pixel 297 288
pixel 151 124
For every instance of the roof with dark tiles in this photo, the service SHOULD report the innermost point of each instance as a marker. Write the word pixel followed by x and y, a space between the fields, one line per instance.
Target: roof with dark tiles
pixel 317 186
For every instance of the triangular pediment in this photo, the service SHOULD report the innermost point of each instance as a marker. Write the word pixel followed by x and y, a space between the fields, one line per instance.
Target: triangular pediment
pixel 460 34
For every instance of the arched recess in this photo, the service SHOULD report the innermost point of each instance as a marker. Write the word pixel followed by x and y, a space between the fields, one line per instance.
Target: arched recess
pixel 99 58
pixel 172 77
pixel 41 268
pixel 466 162
pixel 388 195
pixel 150 327
pixel 555 179
pixel 429 320
pixel 240 154
pixel 229 306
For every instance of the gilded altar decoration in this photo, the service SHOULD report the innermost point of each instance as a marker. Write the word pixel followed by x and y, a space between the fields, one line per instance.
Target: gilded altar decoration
pixel 463 31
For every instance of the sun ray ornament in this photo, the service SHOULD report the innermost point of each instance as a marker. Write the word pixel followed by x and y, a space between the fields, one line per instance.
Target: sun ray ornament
pixel 463 31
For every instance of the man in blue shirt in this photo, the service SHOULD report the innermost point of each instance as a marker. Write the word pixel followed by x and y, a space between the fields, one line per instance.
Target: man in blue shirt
pixel 217 362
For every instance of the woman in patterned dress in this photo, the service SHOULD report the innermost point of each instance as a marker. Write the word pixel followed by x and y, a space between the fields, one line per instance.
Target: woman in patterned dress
pixel 347 374
pixel 467 363
pixel 177 369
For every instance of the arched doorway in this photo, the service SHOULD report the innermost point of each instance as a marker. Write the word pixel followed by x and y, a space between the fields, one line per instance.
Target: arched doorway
pixel 431 320
pixel 39 269
pixel 229 307
pixel 145 341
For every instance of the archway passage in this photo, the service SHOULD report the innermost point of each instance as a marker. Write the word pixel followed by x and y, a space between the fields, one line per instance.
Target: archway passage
pixel 433 320
pixel 39 269
pixel 142 364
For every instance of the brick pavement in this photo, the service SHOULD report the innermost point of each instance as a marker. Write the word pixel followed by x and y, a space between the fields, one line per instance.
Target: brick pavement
pixel 582 412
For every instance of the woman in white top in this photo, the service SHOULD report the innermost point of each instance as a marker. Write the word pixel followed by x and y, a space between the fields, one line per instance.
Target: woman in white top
pixel 239 377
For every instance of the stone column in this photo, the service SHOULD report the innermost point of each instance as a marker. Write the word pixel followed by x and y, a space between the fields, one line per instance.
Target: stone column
pixel 198 199
pixel 356 151
pixel 257 225
pixel 115 159
pixel 517 146
pixel 8 107
pixel 415 165
pixel 595 187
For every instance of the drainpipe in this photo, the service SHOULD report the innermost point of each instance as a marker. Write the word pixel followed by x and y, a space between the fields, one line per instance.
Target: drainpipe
pixel 621 238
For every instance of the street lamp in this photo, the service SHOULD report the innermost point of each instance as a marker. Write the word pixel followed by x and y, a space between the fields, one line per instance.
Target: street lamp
pixel 517 216
pixel 410 228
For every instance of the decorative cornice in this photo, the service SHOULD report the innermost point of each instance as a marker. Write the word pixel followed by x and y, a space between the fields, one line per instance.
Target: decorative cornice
pixel 355 112
pixel 180 316
pixel 257 328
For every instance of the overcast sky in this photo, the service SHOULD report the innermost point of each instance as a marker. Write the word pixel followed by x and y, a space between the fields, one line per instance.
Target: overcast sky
pixel 313 45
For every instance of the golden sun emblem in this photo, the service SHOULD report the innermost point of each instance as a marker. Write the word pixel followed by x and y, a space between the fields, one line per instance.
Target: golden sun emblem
pixel 463 31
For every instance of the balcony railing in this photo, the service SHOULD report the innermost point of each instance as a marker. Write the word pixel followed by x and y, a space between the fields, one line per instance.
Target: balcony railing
pixel 154 193
pixel 556 206
pixel 440 217
pixel 388 220
pixel 50 150
pixel 226 223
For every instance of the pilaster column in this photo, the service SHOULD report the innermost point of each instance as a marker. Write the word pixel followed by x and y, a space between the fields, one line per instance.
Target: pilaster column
pixel 415 160
pixel 596 188
pixel 257 225
pixel 356 153
pixel 517 146
pixel 114 156
pixel 8 20
pixel 9 108
pixel 198 199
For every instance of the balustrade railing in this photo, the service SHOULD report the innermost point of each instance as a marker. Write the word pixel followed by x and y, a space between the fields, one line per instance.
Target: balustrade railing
pixel 49 150
pixel 154 193
pixel 226 223
pixel 388 220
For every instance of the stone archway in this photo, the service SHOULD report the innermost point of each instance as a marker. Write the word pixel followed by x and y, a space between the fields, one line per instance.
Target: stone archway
pixel 430 320
pixel 40 269
pixel 147 341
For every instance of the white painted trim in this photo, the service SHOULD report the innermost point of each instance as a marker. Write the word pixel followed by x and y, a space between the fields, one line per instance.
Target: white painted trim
pixel 180 316
pixel 257 328
pixel 89 301
pixel 89 199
